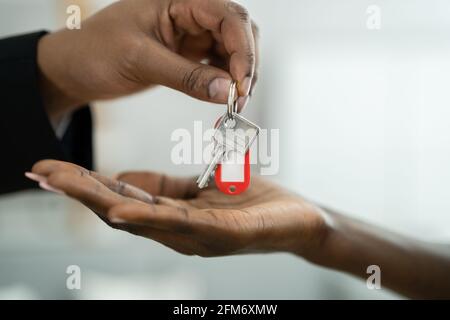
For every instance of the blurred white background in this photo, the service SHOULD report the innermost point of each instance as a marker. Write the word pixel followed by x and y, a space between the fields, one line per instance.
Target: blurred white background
pixel 364 126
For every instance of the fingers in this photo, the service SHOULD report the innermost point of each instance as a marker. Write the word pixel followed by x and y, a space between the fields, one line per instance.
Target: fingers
pixel 197 80
pixel 179 219
pixel 161 185
pixel 46 168
pixel 201 232
pixel 156 216
pixel 219 58
pixel 87 190
pixel 230 23
pixel 182 244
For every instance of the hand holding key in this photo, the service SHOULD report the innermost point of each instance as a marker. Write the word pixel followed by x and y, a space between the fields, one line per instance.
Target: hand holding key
pixel 135 44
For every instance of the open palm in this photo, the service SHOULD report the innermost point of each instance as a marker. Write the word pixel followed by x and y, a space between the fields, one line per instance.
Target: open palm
pixel 174 212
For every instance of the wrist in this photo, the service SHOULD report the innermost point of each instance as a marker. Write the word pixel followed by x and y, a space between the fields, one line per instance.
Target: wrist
pixel 341 247
pixel 56 101
pixel 317 245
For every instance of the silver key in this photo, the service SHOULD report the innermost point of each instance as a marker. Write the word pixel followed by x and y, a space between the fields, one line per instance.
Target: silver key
pixel 203 179
pixel 232 134
pixel 236 133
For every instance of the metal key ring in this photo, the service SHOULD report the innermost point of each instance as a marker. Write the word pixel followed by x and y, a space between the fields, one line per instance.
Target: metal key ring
pixel 232 100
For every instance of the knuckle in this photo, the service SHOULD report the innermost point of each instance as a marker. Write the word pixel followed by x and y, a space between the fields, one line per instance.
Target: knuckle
pixel 132 49
pixel 185 226
pixel 133 53
pixel 120 187
pixel 185 214
pixel 238 10
pixel 194 80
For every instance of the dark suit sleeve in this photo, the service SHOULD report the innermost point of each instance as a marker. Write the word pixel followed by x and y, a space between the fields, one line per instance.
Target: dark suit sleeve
pixel 26 135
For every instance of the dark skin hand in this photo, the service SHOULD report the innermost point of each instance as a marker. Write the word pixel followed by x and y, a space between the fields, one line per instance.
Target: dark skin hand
pixel 133 45
pixel 266 218
pixel 204 222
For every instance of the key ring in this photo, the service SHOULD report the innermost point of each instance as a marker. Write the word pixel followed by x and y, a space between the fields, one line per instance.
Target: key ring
pixel 232 101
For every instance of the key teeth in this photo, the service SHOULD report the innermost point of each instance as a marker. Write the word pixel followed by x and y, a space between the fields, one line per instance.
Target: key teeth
pixel 202 187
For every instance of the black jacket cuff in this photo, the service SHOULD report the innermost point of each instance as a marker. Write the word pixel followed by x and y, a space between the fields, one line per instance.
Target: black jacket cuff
pixel 26 135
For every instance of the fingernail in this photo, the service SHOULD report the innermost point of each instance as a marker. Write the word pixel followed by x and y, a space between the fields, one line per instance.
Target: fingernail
pixel 218 89
pixel 44 185
pixel 242 103
pixel 35 177
pixel 244 86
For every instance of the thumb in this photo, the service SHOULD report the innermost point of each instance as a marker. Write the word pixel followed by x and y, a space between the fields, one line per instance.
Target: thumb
pixel 201 81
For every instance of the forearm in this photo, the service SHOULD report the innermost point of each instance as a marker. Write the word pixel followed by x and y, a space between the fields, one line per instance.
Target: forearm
pixel 408 266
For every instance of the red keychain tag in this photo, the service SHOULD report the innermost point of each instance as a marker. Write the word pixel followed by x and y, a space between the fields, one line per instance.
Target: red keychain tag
pixel 233 177
pixel 233 138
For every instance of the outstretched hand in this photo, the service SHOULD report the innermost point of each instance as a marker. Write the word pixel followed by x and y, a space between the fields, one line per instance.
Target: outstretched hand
pixel 174 212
